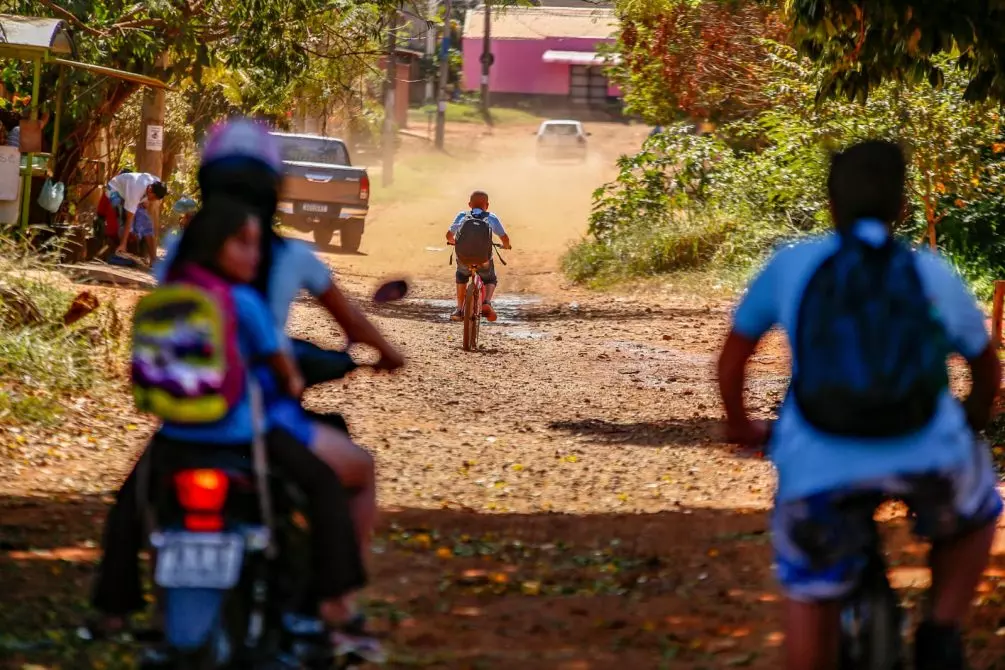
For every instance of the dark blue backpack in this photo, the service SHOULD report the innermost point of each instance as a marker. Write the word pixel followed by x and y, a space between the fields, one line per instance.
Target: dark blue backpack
pixel 870 357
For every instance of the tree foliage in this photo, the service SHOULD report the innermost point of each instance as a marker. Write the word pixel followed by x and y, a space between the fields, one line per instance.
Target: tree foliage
pixel 729 197
pixel 270 42
pixel 862 44
pixel 700 58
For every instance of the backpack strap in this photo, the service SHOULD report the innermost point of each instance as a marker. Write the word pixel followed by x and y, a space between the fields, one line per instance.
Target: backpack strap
pixel 260 458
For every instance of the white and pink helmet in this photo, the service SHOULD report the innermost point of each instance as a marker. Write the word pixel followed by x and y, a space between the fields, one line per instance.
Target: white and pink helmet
pixel 239 140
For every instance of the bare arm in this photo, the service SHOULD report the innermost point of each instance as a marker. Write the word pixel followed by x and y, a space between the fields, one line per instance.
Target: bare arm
pixel 451 237
pixel 505 242
pixel 287 372
pixel 358 328
pixel 986 373
pixel 732 377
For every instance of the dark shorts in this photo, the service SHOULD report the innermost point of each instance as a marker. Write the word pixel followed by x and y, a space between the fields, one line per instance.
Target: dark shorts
pixel 487 272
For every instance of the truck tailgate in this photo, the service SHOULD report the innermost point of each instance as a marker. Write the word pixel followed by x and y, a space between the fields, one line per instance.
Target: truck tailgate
pixel 317 182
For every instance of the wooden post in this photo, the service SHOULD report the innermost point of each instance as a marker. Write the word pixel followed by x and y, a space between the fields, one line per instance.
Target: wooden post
pixel 996 313
pixel 390 83
pixel 150 143
pixel 441 105
pixel 486 59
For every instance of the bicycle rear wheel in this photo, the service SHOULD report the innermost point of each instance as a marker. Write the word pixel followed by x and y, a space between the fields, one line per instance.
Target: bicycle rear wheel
pixel 871 625
pixel 472 316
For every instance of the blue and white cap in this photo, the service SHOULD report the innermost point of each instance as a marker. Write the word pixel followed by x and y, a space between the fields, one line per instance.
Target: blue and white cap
pixel 242 139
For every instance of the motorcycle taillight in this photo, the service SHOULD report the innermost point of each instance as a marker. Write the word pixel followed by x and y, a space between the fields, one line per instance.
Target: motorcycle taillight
pixel 202 494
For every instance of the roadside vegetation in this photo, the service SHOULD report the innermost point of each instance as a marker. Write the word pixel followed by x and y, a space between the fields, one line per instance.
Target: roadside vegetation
pixel 723 200
pixel 55 344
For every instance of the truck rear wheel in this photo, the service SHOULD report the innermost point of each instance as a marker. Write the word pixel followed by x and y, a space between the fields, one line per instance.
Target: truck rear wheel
pixel 323 233
pixel 351 235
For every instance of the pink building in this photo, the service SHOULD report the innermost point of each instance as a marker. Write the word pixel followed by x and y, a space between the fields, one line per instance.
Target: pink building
pixel 545 55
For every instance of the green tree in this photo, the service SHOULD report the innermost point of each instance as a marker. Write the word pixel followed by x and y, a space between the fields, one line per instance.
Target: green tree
pixel 862 44
pixel 268 41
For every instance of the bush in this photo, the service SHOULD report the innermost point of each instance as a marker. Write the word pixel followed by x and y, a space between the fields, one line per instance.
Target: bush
pixel 647 248
pixel 723 201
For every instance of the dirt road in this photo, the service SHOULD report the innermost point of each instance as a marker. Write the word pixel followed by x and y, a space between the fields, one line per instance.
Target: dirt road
pixel 557 500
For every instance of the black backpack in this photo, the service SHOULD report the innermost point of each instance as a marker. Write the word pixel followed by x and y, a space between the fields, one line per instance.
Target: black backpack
pixel 473 242
pixel 870 354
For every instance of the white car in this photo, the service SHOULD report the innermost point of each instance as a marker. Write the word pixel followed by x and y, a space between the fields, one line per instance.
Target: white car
pixel 561 140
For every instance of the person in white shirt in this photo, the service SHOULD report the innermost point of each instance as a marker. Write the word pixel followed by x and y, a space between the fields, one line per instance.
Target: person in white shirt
pixel 132 190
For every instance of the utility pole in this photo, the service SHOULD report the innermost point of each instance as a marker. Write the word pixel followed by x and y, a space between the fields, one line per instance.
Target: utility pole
pixel 486 58
pixel 430 52
pixel 441 107
pixel 390 84
pixel 150 143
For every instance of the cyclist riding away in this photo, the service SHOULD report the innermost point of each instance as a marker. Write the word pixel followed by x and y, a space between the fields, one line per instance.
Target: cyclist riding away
pixel 472 233
pixel 870 323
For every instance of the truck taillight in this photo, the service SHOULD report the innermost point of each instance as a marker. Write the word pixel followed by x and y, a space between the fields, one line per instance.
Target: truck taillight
pixel 364 188
pixel 202 494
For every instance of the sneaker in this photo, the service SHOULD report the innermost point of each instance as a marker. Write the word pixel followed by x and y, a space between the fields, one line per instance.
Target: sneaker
pixel 458 315
pixel 358 647
pixel 938 648
pixel 488 312
pixel 354 643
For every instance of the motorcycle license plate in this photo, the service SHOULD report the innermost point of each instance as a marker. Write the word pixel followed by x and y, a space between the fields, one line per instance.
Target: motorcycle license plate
pixel 199 560
pixel 314 207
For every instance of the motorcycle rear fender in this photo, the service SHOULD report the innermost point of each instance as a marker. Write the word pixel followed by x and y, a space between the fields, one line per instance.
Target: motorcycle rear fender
pixel 190 616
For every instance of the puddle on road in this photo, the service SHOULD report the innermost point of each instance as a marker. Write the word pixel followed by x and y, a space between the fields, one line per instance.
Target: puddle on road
pixel 510 309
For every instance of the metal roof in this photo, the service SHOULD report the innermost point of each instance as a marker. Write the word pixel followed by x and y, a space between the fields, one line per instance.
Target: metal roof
pixel 32 32
pixel 535 23
pixel 573 57
pixel 112 72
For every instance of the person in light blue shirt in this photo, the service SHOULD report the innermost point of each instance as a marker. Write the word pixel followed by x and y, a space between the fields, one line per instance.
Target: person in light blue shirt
pixel 479 204
pixel 818 469
pixel 295 267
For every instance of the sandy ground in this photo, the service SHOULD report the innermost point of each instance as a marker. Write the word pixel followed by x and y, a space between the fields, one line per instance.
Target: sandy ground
pixel 558 500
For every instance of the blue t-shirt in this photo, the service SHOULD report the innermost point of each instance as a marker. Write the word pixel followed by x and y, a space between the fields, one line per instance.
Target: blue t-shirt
pixel 809 461
pixel 257 338
pixel 295 268
pixel 494 223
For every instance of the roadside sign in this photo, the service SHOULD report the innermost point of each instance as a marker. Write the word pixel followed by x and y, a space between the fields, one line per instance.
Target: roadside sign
pixel 155 138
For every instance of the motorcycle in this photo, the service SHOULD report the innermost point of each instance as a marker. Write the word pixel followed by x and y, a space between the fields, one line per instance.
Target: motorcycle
pixel 232 559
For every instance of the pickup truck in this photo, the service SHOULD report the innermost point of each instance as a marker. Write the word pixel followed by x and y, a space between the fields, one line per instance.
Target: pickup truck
pixel 322 193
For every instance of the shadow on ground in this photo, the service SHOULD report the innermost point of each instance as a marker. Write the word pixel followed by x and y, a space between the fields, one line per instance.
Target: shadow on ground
pixel 645 433
pixel 689 588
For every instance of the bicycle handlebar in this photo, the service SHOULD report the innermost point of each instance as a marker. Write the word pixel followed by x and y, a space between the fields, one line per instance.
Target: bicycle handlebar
pixel 494 244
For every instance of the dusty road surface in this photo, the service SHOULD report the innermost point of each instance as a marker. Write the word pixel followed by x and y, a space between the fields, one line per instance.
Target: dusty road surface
pixel 555 501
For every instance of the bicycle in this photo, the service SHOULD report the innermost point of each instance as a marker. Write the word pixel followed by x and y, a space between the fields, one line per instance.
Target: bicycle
pixel 872 619
pixel 474 299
